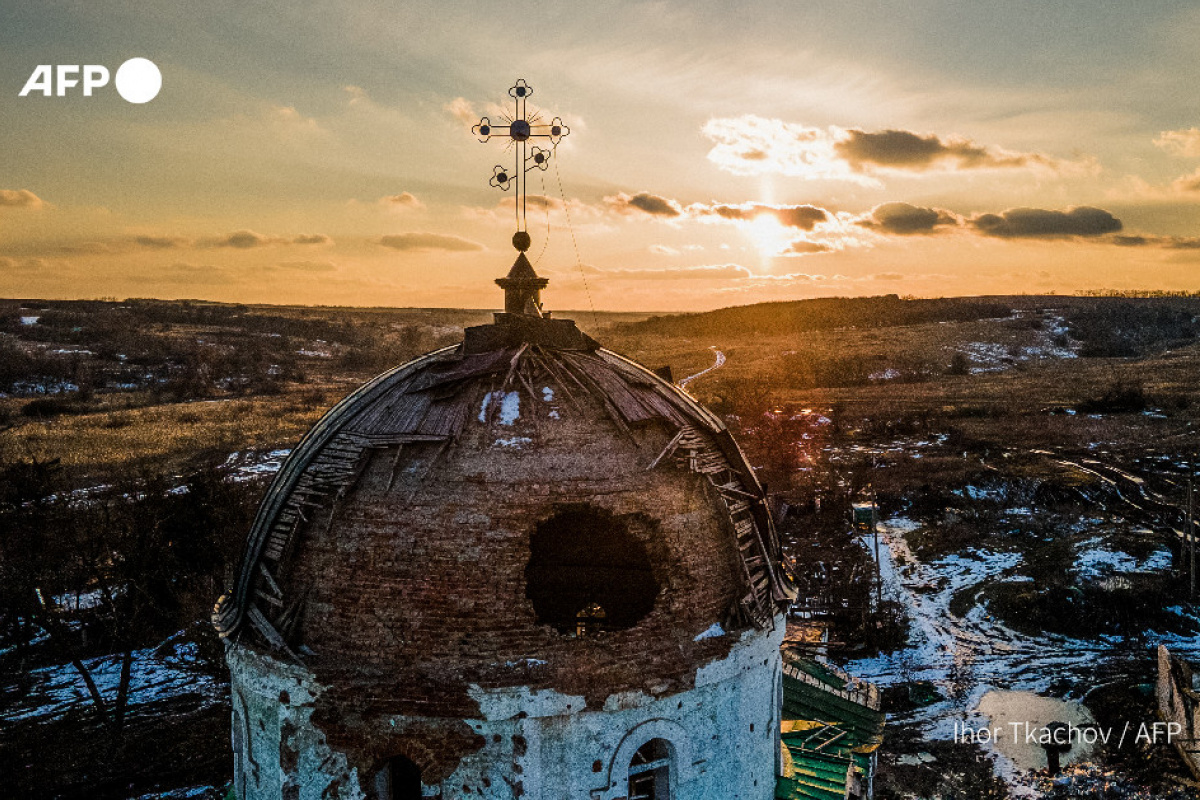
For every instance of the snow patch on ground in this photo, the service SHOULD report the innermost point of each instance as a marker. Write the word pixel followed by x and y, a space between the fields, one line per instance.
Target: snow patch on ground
pixel 190 793
pixel 249 464
pixel 43 387
pixel 157 673
pixel 1093 560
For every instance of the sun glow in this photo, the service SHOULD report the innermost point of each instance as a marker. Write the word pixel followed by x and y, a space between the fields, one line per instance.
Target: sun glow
pixel 769 237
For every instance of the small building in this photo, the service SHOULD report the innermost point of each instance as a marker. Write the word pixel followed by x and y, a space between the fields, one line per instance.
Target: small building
pixel 831 733
pixel 1178 693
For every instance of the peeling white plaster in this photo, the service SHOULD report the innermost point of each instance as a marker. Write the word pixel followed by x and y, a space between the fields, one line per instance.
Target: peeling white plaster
pixel 260 717
pixel 502 704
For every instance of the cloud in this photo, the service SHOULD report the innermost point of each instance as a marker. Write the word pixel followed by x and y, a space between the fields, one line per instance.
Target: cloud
pixel 887 276
pixel 12 264
pixel 1187 183
pixel 20 198
pixel 429 241
pixel 804 217
pixel 792 277
pixel 1040 223
pixel 95 247
pixel 803 247
pixel 244 240
pixel 308 266
pixel 312 238
pixel 722 272
pixel 248 240
pixel 753 145
pixel 1180 143
pixel 906 150
pixel 645 202
pixel 1165 242
pixel 904 219
pixel 537 201
pixel 461 109
pixel 160 242
pixel 401 201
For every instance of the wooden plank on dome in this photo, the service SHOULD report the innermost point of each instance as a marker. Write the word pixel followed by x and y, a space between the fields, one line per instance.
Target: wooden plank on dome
pixel 446 418
pixel 470 366
pixel 614 389
pixel 657 403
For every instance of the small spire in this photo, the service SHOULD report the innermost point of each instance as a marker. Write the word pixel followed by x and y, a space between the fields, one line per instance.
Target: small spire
pixel 522 288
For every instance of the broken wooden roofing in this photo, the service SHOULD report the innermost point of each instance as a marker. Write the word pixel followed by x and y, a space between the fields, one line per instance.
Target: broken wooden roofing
pixel 432 400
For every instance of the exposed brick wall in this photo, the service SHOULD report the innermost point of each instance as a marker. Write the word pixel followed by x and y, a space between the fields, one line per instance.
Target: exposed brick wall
pixel 417 591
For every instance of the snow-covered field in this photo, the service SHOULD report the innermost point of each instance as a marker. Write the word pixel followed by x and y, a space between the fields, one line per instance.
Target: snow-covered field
pixel 968 657
pixel 157 673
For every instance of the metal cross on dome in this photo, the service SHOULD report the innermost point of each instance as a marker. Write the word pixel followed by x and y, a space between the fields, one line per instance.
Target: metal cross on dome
pixel 518 131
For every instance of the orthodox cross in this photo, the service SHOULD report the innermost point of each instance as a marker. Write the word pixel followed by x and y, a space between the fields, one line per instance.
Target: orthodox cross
pixel 517 132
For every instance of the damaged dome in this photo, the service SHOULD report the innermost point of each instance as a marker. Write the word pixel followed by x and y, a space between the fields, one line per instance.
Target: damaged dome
pixel 502 498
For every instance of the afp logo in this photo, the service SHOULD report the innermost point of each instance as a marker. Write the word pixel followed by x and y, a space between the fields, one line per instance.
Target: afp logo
pixel 138 80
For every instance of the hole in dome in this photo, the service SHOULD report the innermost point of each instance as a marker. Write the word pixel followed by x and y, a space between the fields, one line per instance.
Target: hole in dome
pixel 588 574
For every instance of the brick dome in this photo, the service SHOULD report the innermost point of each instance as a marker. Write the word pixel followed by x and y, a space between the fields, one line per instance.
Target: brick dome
pixel 524 509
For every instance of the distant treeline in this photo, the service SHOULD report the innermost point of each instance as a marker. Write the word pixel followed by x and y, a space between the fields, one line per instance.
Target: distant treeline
pixel 822 313
pixel 1125 328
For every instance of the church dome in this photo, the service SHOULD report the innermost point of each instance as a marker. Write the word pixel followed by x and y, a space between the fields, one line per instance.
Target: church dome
pixel 525 510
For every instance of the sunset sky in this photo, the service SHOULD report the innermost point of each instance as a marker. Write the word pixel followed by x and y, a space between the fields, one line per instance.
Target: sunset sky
pixel 720 153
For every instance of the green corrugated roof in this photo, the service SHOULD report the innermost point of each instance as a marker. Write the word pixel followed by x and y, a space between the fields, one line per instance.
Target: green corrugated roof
pixel 818 671
pixel 788 789
pixel 804 701
pixel 821 756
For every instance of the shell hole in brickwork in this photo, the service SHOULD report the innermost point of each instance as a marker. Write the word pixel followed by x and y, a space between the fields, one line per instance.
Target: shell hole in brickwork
pixel 588 573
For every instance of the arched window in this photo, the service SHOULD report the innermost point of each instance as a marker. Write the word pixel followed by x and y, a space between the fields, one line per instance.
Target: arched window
pixel 588 573
pixel 650 771
pixel 400 779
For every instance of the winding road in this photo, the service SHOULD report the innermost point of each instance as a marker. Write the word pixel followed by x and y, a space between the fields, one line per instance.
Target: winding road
pixel 720 362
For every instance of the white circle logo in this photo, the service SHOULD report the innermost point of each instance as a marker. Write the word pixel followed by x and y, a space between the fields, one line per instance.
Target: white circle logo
pixel 138 80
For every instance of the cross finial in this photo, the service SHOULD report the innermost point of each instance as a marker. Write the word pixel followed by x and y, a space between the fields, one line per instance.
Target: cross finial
pixel 518 132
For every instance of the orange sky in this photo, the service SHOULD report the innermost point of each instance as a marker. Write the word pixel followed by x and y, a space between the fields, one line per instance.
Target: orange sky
pixel 321 152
